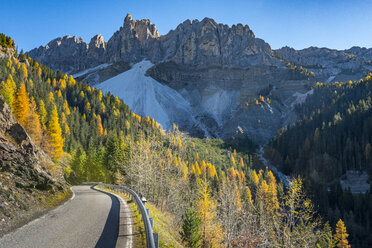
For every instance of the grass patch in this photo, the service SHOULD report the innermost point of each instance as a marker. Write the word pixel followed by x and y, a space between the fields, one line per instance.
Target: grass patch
pixel 55 199
pixel 164 225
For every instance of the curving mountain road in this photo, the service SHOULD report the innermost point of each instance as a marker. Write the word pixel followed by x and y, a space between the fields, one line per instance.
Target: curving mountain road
pixel 90 219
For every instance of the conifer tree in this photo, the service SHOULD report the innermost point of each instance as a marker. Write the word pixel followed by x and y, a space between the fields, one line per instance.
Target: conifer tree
pixel 7 90
pixel 51 97
pixel 190 228
pixel 55 135
pixel 22 105
pixel 99 126
pixel 33 126
pixel 24 71
pixel 66 108
pixel 211 232
pixel 341 235
pixel 43 114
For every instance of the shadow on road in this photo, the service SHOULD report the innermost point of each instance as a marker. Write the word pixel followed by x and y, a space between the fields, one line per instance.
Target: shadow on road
pixel 109 234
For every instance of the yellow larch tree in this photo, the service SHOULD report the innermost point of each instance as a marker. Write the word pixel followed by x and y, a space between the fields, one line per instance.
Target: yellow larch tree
pixel 255 179
pixel 88 108
pixel 43 114
pixel 99 126
pixel 71 81
pixel 24 72
pixel 210 231
pixel 22 105
pixel 7 90
pixel 33 126
pixel 66 108
pixel 51 97
pixel 55 135
pixel 341 235
pixel 241 163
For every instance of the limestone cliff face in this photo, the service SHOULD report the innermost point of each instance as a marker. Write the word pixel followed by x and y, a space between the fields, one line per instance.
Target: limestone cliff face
pixel 220 70
pixel 194 43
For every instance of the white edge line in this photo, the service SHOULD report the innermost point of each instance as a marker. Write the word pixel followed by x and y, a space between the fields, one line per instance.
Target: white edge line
pixel 40 217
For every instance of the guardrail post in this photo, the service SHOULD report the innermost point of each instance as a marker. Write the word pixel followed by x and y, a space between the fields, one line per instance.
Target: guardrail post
pixel 156 240
pixel 148 212
pixel 152 222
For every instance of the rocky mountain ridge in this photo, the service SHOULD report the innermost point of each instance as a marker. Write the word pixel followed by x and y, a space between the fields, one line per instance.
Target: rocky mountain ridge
pixel 236 85
pixel 331 65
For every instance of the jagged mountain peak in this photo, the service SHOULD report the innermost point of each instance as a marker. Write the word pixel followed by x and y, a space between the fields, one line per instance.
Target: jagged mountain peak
pixel 143 29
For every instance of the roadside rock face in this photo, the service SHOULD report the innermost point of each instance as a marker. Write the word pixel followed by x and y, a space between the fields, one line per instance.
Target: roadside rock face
pixel 23 179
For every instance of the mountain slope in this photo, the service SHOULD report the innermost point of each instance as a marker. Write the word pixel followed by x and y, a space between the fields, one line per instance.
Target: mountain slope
pixel 147 97
pixel 220 71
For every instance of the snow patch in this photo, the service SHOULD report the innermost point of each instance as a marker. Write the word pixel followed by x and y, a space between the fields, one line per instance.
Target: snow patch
pixel 147 97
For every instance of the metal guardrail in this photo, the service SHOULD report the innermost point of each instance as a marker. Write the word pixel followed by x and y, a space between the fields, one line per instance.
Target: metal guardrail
pixel 152 239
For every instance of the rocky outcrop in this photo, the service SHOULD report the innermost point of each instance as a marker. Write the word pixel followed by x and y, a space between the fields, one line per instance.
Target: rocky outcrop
pixel 330 65
pixel 23 179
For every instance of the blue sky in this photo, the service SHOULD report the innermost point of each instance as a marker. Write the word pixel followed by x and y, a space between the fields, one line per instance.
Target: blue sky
pixel 336 24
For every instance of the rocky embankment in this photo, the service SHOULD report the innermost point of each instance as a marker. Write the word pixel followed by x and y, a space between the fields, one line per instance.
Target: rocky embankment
pixel 26 186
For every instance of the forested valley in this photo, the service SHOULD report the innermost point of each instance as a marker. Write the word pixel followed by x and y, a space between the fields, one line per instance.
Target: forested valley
pixel 219 197
pixel 330 146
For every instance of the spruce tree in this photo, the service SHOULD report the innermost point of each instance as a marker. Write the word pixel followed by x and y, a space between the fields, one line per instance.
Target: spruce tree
pixel 190 228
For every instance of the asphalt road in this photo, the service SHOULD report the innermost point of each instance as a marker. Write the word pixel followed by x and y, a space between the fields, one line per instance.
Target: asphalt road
pixel 90 219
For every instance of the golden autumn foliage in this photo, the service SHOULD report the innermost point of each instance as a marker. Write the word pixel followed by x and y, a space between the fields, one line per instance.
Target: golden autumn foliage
pixel 99 126
pixel 255 179
pixel 33 125
pixel 55 135
pixel 341 235
pixel 210 231
pixel 7 90
pixel 24 72
pixel 51 97
pixel 42 114
pixel 66 108
pixel 22 105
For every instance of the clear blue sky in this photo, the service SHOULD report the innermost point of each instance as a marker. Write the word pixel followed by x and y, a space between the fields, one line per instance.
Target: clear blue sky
pixel 336 24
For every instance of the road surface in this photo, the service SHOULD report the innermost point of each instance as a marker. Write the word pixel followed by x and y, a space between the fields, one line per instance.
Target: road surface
pixel 89 219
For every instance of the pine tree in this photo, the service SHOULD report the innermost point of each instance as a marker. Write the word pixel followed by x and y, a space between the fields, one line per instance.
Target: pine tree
pixel 55 135
pixel 22 105
pixel 341 235
pixel 190 228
